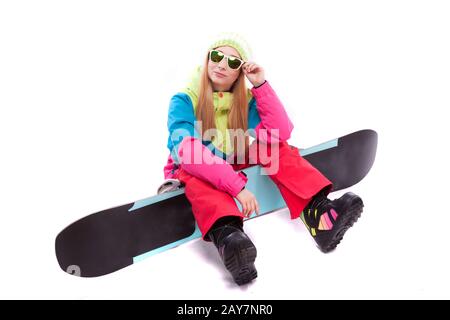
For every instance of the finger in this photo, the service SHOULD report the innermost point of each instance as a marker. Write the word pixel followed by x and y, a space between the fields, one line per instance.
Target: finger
pixel 257 207
pixel 244 211
pixel 250 209
pixel 253 208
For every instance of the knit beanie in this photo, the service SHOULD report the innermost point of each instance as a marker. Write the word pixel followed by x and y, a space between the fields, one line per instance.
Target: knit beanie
pixel 234 40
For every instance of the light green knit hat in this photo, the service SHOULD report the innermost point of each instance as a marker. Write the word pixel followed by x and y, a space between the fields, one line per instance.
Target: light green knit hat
pixel 234 40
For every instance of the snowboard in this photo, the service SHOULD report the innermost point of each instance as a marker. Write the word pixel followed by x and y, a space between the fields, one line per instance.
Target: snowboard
pixel 112 239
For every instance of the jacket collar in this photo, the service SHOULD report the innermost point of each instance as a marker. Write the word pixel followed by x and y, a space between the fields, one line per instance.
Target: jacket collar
pixel 222 100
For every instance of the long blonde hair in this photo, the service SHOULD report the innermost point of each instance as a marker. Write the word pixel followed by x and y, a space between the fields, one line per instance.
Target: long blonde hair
pixel 238 114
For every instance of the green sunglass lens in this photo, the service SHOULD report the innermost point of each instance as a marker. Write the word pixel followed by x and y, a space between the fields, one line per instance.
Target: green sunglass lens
pixel 234 63
pixel 216 56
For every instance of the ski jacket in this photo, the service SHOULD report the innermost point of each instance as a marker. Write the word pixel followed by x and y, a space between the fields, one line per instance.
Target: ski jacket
pixel 265 111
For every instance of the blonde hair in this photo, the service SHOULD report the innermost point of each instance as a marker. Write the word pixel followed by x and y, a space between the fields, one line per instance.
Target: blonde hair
pixel 238 114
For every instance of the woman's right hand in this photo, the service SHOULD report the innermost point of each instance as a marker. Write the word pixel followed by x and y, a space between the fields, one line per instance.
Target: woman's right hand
pixel 248 202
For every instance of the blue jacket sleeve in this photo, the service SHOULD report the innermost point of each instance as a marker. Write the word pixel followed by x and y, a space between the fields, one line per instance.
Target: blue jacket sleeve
pixel 253 116
pixel 180 123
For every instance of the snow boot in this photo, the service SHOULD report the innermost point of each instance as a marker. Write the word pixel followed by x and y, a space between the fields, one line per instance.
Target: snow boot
pixel 327 220
pixel 236 250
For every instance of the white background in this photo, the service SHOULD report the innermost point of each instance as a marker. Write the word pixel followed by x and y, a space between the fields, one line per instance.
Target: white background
pixel 84 94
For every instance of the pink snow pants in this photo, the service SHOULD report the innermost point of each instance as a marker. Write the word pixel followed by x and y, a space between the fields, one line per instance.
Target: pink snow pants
pixel 297 180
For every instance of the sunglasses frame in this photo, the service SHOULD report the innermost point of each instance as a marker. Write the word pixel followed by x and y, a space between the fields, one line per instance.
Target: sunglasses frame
pixel 227 57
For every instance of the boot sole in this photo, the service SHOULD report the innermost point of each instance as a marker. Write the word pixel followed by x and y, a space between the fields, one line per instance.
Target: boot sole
pixel 241 264
pixel 352 214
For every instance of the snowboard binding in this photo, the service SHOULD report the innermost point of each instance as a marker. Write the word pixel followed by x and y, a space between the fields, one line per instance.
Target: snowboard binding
pixel 169 185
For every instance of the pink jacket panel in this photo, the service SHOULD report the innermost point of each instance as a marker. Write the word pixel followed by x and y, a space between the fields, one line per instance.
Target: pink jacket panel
pixel 272 114
pixel 199 161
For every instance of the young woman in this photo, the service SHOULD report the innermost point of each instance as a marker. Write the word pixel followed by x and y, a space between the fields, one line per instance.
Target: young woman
pixel 217 100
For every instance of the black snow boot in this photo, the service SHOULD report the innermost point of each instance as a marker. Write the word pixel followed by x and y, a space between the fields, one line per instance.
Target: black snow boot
pixel 327 220
pixel 236 250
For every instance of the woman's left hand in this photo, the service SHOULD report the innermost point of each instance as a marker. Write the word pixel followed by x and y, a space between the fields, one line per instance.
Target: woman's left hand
pixel 254 73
